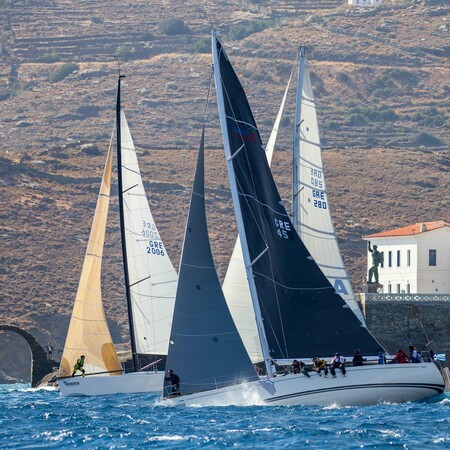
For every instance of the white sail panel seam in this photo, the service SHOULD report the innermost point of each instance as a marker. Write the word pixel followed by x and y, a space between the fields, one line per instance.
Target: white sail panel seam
pixel 328 233
pixel 317 166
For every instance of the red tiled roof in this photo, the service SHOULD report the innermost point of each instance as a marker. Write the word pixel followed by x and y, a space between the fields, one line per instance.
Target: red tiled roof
pixel 410 230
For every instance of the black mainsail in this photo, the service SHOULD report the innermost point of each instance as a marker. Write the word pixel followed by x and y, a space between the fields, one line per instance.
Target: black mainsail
pixel 205 348
pixel 301 314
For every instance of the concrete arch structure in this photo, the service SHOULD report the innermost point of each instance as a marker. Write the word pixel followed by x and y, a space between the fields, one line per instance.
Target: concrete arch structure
pixel 40 365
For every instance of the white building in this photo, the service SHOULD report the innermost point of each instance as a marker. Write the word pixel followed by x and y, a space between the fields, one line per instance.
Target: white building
pixel 416 258
pixel 365 3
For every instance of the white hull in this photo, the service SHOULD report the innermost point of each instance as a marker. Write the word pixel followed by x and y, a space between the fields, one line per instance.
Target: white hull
pixel 129 383
pixel 366 385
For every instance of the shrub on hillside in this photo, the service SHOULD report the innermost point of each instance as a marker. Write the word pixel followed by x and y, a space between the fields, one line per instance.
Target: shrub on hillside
pixel 48 58
pixel 203 45
pixel 173 27
pixel 146 37
pixel 62 72
pixel 123 53
pixel 426 139
pixel 343 78
pixel 242 30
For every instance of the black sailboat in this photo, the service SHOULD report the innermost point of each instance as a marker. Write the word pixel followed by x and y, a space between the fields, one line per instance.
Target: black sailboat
pixel 301 313
pixel 297 311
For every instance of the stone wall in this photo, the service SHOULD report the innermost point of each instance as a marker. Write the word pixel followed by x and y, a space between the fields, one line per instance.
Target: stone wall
pixel 398 324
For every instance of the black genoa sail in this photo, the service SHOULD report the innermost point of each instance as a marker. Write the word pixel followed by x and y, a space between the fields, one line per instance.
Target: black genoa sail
pixel 301 313
pixel 205 348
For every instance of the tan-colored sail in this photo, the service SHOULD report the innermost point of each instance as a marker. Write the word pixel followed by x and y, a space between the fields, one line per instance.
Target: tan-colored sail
pixel 88 330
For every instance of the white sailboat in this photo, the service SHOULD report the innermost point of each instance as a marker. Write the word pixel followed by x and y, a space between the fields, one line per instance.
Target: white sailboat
pixel 150 282
pixel 298 313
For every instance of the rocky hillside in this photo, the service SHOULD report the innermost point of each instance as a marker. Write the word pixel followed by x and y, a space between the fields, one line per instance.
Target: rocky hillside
pixel 381 80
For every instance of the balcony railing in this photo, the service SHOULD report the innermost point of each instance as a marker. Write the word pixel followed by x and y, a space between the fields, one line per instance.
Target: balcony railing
pixel 376 297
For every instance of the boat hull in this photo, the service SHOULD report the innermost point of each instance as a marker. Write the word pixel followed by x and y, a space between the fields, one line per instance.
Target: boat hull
pixel 366 385
pixel 129 383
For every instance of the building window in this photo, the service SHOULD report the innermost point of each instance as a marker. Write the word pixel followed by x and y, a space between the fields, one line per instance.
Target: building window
pixel 408 258
pixel 398 258
pixel 398 288
pixel 389 259
pixel 382 259
pixel 432 257
pixel 408 288
pixel 389 288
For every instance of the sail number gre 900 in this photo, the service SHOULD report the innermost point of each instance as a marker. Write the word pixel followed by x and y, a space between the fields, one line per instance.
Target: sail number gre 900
pixel 316 178
pixel 149 230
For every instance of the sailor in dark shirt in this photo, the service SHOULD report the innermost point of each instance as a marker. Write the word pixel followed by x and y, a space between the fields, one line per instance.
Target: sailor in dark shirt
pixel 358 358
pixel 175 381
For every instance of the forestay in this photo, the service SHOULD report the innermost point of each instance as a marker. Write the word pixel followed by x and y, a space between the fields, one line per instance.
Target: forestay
pixel 205 349
pixel 300 311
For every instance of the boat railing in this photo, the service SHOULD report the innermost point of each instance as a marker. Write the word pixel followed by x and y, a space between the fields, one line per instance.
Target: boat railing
pixel 403 297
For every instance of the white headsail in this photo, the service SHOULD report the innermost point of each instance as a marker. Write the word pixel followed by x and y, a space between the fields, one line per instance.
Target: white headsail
pixel 310 205
pixel 152 277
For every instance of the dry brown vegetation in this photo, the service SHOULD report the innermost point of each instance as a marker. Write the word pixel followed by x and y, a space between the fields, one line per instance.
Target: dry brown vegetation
pixel 382 84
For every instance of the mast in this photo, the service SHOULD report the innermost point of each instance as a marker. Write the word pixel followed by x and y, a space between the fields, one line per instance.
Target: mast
pixel 296 154
pixel 237 206
pixel 122 225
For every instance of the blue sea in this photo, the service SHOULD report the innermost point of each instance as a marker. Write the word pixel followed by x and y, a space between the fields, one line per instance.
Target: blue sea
pixel 35 419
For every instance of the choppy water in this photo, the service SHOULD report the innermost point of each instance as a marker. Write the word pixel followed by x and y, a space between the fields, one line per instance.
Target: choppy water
pixel 42 419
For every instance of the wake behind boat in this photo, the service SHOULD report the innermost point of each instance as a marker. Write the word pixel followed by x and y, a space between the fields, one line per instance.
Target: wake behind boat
pixel 298 312
pixel 150 283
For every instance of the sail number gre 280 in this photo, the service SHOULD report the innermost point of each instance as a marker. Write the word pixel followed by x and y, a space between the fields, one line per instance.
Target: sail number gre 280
pixel 319 199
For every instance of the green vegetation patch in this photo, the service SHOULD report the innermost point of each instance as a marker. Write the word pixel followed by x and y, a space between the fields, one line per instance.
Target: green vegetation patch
pixel 242 30
pixel 173 26
pixel 62 72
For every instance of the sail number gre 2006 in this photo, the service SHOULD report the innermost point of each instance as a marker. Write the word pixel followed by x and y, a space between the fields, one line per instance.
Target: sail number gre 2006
pixel 155 248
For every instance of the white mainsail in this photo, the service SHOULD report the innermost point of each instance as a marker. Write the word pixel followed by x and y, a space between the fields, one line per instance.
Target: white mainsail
pixel 152 277
pixel 310 205
pixel 88 332
pixel 235 286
